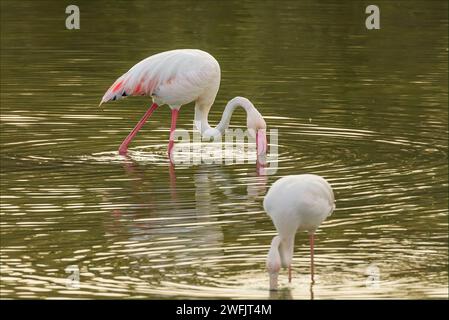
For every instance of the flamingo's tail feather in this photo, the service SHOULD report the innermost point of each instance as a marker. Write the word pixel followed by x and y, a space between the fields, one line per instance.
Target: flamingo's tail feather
pixel 116 91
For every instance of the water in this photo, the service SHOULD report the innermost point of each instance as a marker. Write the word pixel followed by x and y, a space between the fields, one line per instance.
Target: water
pixel 365 109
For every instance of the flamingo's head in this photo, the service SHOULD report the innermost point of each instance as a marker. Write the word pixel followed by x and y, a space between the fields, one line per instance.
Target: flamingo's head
pixel 256 124
pixel 254 120
pixel 274 262
pixel 257 128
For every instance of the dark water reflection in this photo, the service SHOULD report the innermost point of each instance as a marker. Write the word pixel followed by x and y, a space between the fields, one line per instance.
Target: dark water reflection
pixel 367 110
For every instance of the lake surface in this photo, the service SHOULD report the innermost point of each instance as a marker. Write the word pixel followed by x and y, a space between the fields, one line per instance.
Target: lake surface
pixel 368 110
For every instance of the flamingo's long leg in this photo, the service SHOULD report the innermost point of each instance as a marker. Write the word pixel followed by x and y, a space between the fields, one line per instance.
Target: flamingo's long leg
pixel 172 180
pixel 174 117
pixel 289 273
pixel 123 149
pixel 312 244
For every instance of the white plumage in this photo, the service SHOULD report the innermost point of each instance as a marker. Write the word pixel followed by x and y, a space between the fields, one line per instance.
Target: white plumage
pixel 176 78
pixel 295 203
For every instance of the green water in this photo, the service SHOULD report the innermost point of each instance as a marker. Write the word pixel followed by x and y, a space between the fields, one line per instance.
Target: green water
pixel 368 110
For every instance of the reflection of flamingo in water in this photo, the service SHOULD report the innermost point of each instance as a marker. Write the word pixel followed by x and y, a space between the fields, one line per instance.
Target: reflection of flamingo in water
pixel 179 77
pixel 300 202
pixel 253 189
pixel 208 234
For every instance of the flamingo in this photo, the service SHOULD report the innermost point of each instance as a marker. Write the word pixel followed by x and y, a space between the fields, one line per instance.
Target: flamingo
pixel 176 78
pixel 297 202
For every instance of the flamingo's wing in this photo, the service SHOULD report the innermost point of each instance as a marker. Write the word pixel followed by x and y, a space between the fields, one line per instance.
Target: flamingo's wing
pixel 184 73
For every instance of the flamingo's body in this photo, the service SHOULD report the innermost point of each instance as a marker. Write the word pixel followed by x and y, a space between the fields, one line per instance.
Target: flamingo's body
pixel 179 77
pixel 295 203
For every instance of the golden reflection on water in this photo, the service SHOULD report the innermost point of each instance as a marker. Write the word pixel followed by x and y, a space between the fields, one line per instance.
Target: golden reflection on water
pixel 354 107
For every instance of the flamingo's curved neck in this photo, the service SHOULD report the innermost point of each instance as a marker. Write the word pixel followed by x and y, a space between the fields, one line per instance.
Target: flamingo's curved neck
pixel 202 112
pixel 229 110
pixel 286 250
pixel 282 247
pixel 273 253
pixel 274 262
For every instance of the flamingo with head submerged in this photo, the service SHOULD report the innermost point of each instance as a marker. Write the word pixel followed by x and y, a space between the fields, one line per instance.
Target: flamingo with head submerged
pixel 176 78
pixel 295 203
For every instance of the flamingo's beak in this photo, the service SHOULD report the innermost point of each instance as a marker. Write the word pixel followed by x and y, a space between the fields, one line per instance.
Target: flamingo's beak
pixel 261 142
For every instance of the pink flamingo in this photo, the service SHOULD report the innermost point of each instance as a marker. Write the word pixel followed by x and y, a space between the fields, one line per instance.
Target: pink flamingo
pixel 295 203
pixel 179 77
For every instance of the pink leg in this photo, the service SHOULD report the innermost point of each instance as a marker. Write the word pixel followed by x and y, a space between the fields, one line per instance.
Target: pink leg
pixel 312 244
pixel 123 149
pixel 174 117
pixel 172 181
pixel 290 273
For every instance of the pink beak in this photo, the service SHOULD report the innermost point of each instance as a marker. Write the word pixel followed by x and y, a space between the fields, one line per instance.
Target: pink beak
pixel 261 142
